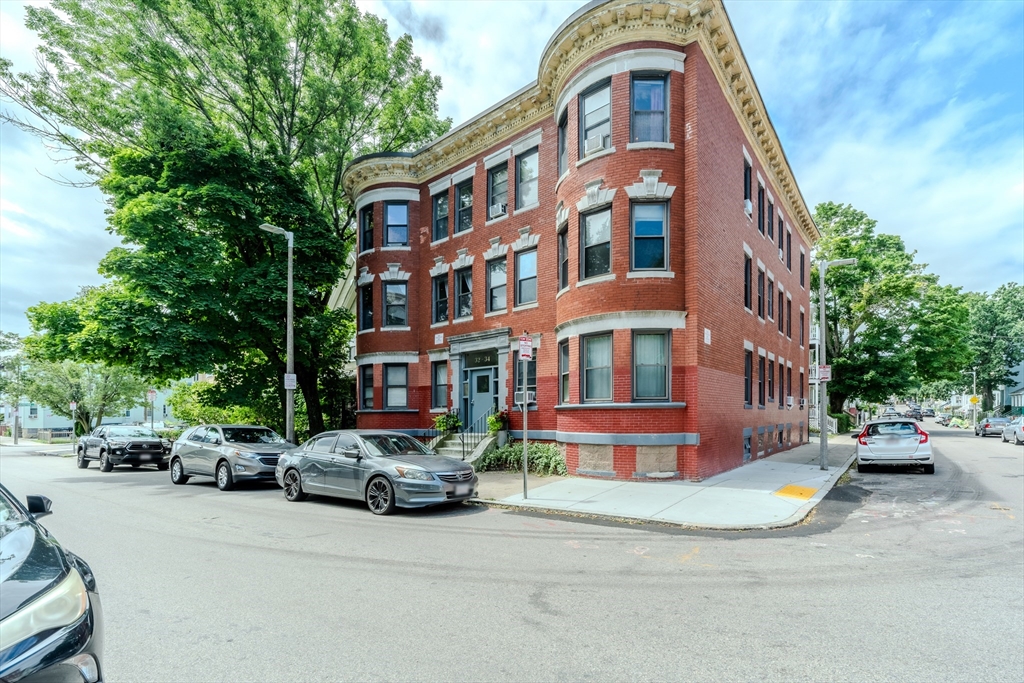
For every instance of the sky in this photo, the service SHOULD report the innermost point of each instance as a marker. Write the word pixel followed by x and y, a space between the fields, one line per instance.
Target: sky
pixel 910 111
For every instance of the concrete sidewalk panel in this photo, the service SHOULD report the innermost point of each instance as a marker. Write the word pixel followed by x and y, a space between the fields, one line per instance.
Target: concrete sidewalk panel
pixel 635 500
pixel 724 509
pixel 566 492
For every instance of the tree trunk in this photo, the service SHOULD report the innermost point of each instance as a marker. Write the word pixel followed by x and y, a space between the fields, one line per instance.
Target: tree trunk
pixel 308 382
pixel 835 403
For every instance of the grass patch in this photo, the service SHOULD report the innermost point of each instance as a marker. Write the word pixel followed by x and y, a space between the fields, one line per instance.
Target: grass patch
pixel 542 458
pixel 845 478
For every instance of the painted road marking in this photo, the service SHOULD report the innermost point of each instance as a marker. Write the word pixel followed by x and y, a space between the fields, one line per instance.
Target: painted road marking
pixel 794 491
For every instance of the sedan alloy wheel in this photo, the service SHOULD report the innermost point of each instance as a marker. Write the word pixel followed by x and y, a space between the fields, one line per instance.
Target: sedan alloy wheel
pixel 380 496
pixel 293 487
pixel 178 475
pixel 225 482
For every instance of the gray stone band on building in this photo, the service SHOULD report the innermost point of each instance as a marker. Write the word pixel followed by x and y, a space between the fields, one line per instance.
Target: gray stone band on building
pixel 670 439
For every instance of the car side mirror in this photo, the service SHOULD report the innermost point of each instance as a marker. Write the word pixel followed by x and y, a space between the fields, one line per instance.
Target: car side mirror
pixel 38 505
pixel 352 453
pixel 854 436
pixel 215 442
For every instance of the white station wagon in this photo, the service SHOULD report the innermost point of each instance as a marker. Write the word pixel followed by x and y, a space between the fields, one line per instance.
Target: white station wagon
pixel 893 443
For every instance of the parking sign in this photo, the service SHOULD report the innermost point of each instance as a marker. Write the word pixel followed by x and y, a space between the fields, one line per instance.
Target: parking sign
pixel 526 347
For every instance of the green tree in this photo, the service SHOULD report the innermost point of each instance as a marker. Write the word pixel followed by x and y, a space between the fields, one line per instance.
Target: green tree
pixel 99 390
pixel 997 338
pixel 13 376
pixel 939 334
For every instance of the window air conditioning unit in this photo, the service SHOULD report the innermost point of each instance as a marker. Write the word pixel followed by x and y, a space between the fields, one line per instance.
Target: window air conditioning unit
pixel 803 402
pixel 789 401
pixel 531 398
pixel 748 207
pixel 496 210
pixel 595 143
pixel 782 254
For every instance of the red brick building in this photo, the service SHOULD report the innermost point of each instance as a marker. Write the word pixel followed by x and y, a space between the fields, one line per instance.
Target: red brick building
pixel 634 212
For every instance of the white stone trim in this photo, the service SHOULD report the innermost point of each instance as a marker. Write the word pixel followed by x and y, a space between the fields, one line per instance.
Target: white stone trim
pixel 747 250
pixel 502 311
pixel 746 155
pixel 771 198
pixel 527 142
pixel 526 240
pixel 525 307
pixel 365 277
pixel 439 185
pixel 410 357
pixel 801 368
pixel 802 249
pixel 761 352
pixel 771 276
pixel 780 287
pixel 396 248
pixel 771 356
pixel 440 267
pixel 760 264
pixel 638 274
pixel 495 158
pixel 598 279
pixel 394 273
pixel 802 310
pixel 499 219
pixel 595 196
pixel 372 329
pixel 747 345
pixel 387 328
pixel 402 194
pixel 649 187
pixel 789 363
pixel 622 320
pixel 437 354
pixel 789 296
pixel 629 60
pixel 463 261
pixel 649 145
pixel 760 181
pixel 595 155
pixel 441 324
pixel 561 215
pixel 464 174
pixel 497 249
pixel 439 242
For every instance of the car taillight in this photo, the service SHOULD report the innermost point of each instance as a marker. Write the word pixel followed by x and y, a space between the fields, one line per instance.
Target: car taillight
pixel 987 425
pixel 924 434
pixel 863 438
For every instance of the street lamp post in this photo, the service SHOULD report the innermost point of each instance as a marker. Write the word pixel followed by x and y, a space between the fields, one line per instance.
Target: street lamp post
pixel 822 390
pixel 974 392
pixel 289 401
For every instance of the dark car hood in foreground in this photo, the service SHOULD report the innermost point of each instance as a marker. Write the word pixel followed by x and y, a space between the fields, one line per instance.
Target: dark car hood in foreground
pixel 30 563
pixel 431 463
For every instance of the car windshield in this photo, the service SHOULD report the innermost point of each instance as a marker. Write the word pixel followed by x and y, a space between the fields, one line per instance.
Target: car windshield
pixel 999 420
pixel 393 444
pixel 251 435
pixel 143 432
pixel 9 514
pixel 892 429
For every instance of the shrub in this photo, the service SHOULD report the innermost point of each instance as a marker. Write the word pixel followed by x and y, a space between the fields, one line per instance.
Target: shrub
pixel 448 422
pixel 844 422
pixel 169 433
pixel 497 421
pixel 542 458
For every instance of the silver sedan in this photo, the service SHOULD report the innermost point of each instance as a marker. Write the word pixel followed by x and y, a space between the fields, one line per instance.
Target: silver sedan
pixel 384 469
pixel 1014 432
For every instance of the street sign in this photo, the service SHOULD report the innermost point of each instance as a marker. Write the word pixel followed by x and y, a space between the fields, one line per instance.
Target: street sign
pixel 975 400
pixel 526 347
pixel 152 394
pixel 289 380
pixel 824 373
pixel 74 405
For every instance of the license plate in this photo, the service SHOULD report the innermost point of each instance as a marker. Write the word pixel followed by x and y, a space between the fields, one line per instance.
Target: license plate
pixel 144 457
pixel 461 489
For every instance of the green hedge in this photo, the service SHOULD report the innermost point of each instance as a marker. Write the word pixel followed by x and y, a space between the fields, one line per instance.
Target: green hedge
pixel 844 422
pixel 169 433
pixel 542 458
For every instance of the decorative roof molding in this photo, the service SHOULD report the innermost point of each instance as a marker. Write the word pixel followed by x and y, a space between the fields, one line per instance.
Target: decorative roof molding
pixel 463 261
pixel 595 196
pixel 595 28
pixel 394 274
pixel 526 240
pixel 440 267
pixel 649 187
pixel 365 277
pixel 497 249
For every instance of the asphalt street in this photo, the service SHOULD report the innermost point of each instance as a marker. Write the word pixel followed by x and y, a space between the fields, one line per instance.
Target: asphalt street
pixel 896 576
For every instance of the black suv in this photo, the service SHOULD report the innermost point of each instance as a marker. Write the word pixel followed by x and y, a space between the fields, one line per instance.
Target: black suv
pixel 121 445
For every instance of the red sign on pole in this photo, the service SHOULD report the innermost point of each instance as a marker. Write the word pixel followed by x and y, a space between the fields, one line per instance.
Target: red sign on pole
pixel 824 373
pixel 526 347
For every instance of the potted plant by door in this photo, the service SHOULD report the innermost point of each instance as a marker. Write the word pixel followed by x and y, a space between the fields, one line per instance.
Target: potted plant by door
pixel 498 424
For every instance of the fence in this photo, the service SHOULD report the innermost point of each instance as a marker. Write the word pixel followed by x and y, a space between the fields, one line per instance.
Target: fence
pixel 475 433
pixel 812 422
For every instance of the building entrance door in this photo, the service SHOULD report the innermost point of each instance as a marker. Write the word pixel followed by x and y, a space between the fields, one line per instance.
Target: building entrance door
pixel 481 397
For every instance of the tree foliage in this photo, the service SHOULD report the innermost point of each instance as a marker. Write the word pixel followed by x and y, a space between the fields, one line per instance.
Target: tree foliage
pixel 99 390
pixel 997 338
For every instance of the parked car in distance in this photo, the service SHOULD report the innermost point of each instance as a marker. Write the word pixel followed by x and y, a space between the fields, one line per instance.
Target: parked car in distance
pixel 914 414
pixel 384 469
pixel 889 411
pixel 894 442
pixel 51 621
pixel 987 426
pixel 228 453
pixel 942 418
pixel 123 445
pixel 928 412
pixel 1014 431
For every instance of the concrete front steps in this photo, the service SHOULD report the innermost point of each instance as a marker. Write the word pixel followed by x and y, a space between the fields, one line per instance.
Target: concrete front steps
pixel 451 446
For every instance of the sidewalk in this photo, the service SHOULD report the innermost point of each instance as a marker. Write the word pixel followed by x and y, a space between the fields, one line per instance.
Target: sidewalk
pixel 777 491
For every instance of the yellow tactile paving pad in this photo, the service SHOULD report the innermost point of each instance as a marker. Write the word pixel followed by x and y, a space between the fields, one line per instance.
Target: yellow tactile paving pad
pixel 794 491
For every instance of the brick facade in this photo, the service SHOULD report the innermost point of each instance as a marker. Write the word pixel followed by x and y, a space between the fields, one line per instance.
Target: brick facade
pixel 694 297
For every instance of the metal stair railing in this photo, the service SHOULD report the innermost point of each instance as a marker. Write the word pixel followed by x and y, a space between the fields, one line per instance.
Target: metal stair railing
pixel 475 433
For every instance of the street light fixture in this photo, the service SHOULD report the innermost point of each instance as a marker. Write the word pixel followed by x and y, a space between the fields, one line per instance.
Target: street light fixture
pixel 822 389
pixel 289 378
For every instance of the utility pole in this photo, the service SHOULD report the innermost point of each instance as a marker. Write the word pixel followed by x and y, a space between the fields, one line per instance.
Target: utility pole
pixel 289 377
pixel 822 389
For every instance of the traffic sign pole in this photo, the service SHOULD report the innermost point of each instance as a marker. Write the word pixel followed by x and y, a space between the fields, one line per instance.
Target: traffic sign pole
pixel 525 355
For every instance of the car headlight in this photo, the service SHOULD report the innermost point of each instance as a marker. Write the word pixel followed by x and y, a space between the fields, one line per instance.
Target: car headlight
pixel 165 443
pixel 62 605
pixel 246 454
pixel 117 443
pixel 413 473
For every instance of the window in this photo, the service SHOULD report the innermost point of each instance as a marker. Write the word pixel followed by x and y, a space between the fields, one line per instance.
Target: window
pixel 464 293
pixel 789 318
pixel 396 386
pixel 563 372
pixel 649 236
pixel 747 172
pixel 801 328
pixel 760 381
pixel 366 228
pixel 526 277
pixel 497 191
pixel 531 372
pixel 782 383
pixel 801 391
pixel 597 368
pixel 748 377
pixel 33 410
pixel 771 299
pixel 780 235
pixel 596 128
pixel 781 303
pixel 747 275
pixel 760 208
pixel 366 387
pixel 322 444
pixel 789 250
pixel 597 243
pixel 789 382
pixel 496 281
pixel 563 258
pixel 464 206
pixel 563 143
pixel 771 380
pixel 440 216
pixel 440 296
pixel 649 118
pixel 396 300
pixel 396 224
pixel 527 172
pixel 439 384
pixel 760 293
pixel 650 366
pixel 771 221
pixel 801 269
pixel 366 307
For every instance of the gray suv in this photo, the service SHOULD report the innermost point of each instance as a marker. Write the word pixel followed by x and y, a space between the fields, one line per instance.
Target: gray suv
pixel 228 453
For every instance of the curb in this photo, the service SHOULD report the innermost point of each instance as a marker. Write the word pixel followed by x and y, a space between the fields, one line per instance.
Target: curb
pixel 796 518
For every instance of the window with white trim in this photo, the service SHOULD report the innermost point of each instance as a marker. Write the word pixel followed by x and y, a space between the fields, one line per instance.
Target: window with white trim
pixel 464 206
pixel 497 191
pixel 649 233
pixel 563 257
pixel 366 307
pixel 595 123
pixel 497 279
pixel 464 293
pixel 563 371
pixel 366 228
pixel 526 277
pixel 396 224
pixel 440 202
pixel 439 384
pixel 563 143
pixel 396 304
pixel 649 108
pixel 396 386
pixel 366 388
pixel 527 177
pixel 650 366
pixel 439 285
pixel 597 367
pixel 596 246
